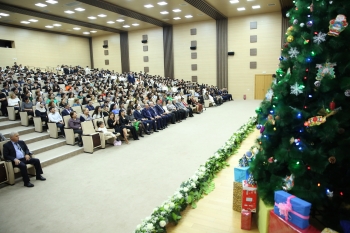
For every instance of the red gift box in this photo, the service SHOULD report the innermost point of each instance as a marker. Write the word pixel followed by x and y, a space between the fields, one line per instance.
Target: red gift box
pixel 249 196
pixel 280 225
pixel 246 220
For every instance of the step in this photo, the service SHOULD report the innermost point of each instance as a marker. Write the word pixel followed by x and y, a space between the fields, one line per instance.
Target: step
pixel 46 145
pixel 20 129
pixel 3 118
pixel 34 137
pixel 9 124
pixel 56 155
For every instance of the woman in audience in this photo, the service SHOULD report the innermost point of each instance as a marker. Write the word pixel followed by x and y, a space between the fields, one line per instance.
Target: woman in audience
pixel 195 103
pixel 74 123
pixel 3 101
pixel 93 99
pixel 13 101
pixel 85 116
pixel 80 95
pixel 97 113
pixel 63 102
pixel 114 108
pixel 100 99
pixel 27 106
pixel 133 122
pixel 51 98
pixel 113 123
pixel 56 88
pixel 105 110
pixel 52 105
pixel 85 101
pixel 103 129
pixel 76 103
pixel 71 96
pixel 40 110
pixel 126 123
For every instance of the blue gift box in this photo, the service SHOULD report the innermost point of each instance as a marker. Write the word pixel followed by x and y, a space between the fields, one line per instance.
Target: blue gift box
pixel 241 173
pixel 293 209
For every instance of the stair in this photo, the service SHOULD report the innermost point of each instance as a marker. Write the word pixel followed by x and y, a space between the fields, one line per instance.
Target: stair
pixel 9 124
pixel 4 119
pixel 22 130
pixel 56 155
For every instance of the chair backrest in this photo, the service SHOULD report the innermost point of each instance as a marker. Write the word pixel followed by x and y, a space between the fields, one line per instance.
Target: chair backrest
pixel 77 109
pixel 65 120
pixel 95 122
pixel 87 127
pixel 96 104
pixel 91 112
pixel 106 122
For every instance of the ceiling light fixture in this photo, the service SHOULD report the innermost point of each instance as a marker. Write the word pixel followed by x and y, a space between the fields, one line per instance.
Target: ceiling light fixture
pixel 250 0
pixel 86 32
pixel 177 18
pixel 48 26
pixel 79 9
pixel 110 22
pixel 40 5
pixel 120 20
pixel 25 22
pixel 176 10
pixel 51 1
pixel 188 16
pixel 256 7
pixel 241 9
pixel 234 1
pixel 4 14
pixel 164 12
pixel 91 17
pixel 126 26
pixel 162 3
pixel 148 6
pixel 135 24
pixel 33 20
pixel 102 15
pixel 76 28
pixel 93 31
pixel 69 12
pixel 57 25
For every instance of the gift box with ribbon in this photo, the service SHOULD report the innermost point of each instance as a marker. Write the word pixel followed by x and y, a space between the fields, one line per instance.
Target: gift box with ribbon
pixel 249 196
pixel 292 209
pixel 246 220
pixel 241 173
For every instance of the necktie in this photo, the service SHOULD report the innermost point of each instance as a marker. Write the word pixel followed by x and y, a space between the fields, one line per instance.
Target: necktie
pixel 20 148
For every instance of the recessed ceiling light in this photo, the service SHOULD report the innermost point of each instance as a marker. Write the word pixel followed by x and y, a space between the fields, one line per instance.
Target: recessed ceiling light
pixel 164 12
pixel 91 17
pixel 48 26
pixel 162 3
pixel 148 6
pixel 102 15
pixel 120 20
pixel 4 14
pixel 33 20
pixel 57 25
pixel 256 7
pixel 176 10
pixel 177 18
pixel 86 32
pixel 79 9
pixel 69 12
pixel 76 28
pixel 188 16
pixel 110 22
pixel 241 9
pixel 250 0
pixel 93 31
pixel 51 1
pixel 25 22
pixel 40 5
pixel 234 1
pixel 126 26
pixel 135 24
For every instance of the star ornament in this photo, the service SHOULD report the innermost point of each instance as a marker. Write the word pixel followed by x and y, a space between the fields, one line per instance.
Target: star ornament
pixel 296 89
pixel 293 52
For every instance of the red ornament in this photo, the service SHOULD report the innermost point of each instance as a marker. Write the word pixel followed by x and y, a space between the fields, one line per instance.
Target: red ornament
pixel 332 105
pixel 314 119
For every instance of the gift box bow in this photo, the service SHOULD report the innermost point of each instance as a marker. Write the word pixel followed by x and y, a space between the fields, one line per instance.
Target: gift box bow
pixel 286 208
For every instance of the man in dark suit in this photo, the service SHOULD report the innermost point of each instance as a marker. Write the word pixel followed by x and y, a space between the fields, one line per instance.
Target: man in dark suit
pixel 131 78
pixel 151 123
pixel 147 114
pixel 67 110
pixel 158 116
pixel 18 153
pixel 161 111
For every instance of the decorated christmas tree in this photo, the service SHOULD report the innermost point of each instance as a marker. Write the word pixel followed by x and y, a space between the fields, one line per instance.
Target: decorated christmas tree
pixel 305 119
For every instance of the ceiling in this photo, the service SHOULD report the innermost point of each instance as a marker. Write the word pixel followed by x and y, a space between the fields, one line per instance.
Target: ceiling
pixel 111 16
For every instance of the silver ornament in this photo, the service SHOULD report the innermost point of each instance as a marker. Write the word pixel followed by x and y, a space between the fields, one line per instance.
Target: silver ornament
pixel 317 84
pixel 288 14
pixel 347 93
pixel 302 24
pixel 295 21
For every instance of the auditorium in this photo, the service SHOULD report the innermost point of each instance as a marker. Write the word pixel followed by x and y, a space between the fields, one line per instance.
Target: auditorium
pixel 116 114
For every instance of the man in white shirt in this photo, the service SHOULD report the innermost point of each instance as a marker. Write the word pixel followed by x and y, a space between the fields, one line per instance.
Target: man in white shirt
pixel 87 70
pixel 55 117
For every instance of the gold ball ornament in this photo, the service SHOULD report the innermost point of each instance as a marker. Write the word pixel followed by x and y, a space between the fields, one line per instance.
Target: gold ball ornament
pixel 289 30
pixel 290 38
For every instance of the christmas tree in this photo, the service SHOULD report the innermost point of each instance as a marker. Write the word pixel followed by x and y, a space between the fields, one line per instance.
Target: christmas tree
pixel 305 119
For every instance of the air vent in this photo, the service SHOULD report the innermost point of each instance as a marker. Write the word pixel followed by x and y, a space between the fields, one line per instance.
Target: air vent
pixel 271 4
pixel 73 4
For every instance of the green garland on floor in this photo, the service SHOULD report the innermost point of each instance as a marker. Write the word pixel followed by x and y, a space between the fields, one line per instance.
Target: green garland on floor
pixel 197 186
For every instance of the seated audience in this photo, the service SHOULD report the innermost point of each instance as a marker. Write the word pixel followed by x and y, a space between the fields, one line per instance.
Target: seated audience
pixel 103 129
pixel 113 123
pixel 13 101
pixel 55 117
pixel 74 123
pixel 85 116
pixel 27 106
pixel 97 113
pixel 67 110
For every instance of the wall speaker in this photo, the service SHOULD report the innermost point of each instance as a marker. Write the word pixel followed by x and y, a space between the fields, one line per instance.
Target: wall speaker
pixel 105 46
pixel 231 53
pixel 144 41
pixel 193 47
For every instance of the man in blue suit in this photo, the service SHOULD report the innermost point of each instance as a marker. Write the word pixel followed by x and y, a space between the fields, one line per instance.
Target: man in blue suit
pixel 67 110
pixel 170 116
pixel 131 78
pixel 159 115
pixel 146 113
pixel 139 116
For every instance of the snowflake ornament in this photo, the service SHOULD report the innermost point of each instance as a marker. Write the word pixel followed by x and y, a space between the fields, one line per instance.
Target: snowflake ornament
pixel 296 89
pixel 269 95
pixel 325 69
pixel 293 52
pixel 321 37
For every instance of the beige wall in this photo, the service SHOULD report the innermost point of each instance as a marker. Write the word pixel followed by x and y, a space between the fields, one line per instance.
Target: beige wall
pixel 241 79
pixel 113 56
pixel 206 51
pixel 40 49
pixel 155 51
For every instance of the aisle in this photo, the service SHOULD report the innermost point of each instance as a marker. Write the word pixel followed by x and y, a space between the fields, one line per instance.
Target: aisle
pixel 113 189
pixel 214 212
